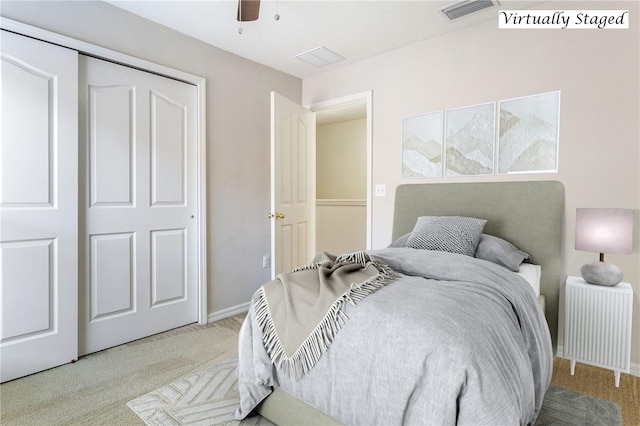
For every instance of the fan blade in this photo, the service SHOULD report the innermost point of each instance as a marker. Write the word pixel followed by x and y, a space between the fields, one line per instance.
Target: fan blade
pixel 248 10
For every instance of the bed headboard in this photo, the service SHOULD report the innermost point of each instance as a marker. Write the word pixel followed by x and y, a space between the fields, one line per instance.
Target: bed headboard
pixel 528 214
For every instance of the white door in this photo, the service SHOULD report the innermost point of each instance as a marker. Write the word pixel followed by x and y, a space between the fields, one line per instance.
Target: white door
pixel 293 186
pixel 138 173
pixel 38 206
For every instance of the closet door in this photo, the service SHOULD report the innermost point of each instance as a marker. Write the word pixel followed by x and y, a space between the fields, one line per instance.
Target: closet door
pixel 38 206
pixel 138 173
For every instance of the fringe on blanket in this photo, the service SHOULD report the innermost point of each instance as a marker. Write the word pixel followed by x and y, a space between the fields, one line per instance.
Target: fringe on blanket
pixel 317 343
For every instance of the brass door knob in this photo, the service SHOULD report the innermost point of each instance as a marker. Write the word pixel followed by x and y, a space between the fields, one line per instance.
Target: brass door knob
pixel 278 215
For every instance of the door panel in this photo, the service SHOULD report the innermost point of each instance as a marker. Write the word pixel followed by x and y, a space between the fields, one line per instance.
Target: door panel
pixel 292 184
pixel 168 144
pixel 31 307
pixel 138 139
pixel 112 282
pixel 168 266
pixel 112 166
pixel 28 173
pixel 38 206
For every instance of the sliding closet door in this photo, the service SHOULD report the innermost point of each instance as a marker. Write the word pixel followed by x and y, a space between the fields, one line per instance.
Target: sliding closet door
pixel 38 206
pixel 138 201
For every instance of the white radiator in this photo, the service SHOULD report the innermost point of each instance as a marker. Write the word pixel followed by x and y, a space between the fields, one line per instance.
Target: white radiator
pixel 598 325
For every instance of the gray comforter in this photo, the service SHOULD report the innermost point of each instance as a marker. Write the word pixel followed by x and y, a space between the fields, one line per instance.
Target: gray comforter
pixel 454 340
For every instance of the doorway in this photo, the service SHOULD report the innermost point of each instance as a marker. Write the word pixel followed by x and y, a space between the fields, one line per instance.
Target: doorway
pixel 343 174
pixel 292 137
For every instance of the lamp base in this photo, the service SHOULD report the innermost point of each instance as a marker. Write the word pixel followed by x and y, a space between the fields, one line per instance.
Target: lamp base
pixel 601 273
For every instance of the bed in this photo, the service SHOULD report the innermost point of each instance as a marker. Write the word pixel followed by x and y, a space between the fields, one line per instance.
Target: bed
pixel 358 381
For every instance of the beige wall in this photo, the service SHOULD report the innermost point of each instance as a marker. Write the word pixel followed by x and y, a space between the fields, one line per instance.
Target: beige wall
pixel 597 72
pixel 341 226
pixel 237 130
pixel 341 160
pixel 341 186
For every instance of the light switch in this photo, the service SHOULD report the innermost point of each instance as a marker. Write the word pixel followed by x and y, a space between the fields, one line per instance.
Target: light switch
pixel 381 190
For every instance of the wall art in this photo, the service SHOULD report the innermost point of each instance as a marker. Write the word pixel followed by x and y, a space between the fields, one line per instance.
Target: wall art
pixel 469 143
pixel 528 134
pixel 422 145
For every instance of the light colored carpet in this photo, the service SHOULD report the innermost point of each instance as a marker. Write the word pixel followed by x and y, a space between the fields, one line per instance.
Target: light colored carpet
pixel 209 397
pixel 95 390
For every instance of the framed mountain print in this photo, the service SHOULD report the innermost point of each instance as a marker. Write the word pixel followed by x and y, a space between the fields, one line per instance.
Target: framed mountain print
pixel 422 145
pixel 469 140
pixel 528 134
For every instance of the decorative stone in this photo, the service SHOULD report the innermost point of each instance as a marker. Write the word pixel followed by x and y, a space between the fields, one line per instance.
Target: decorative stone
pixel 601 273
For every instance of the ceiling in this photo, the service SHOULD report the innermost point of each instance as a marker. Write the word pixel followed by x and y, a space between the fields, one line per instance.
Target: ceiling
pixel 356 29
pixel 338 114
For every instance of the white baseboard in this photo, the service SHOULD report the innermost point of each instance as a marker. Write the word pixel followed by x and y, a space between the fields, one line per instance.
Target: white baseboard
pixel 634 368
pixel 228 312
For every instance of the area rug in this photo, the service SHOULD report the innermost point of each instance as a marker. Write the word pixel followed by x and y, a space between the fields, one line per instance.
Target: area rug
pixel 210 396
pixel 566 407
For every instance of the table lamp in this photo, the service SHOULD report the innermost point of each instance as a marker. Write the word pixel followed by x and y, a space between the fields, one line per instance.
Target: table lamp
pixel 604 231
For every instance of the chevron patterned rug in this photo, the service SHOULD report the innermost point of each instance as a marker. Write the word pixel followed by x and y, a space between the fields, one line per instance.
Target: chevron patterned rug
pixel 210 397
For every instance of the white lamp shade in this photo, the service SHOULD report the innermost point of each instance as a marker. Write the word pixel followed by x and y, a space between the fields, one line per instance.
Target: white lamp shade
pixel 604 230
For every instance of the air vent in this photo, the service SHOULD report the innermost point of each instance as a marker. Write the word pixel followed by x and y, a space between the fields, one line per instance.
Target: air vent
pixel 320 56
pixel 463 8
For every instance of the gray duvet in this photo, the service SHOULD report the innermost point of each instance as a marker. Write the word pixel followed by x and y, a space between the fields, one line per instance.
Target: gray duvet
pixel 454 340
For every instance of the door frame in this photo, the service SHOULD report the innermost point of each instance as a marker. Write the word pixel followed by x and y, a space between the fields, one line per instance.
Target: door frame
pixel 366 96
pixel 200 83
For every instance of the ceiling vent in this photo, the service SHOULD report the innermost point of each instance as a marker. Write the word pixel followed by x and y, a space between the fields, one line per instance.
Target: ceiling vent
pixel 464 8
pixel 320 56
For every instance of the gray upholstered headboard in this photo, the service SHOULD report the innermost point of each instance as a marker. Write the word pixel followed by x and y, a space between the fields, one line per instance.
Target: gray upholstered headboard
pixel 528 214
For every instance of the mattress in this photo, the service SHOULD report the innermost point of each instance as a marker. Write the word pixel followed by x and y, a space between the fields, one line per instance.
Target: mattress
pixel 532 274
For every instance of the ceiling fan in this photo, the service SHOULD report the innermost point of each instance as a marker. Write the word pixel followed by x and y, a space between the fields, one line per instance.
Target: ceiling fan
pixel 248 10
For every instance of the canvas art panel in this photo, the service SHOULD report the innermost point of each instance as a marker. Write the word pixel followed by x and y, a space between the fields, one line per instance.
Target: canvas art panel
pixel 528 134
pixel 422 145
pixel 470 136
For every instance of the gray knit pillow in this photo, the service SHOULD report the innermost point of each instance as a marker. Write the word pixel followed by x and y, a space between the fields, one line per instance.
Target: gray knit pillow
pixel 455 234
